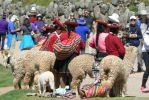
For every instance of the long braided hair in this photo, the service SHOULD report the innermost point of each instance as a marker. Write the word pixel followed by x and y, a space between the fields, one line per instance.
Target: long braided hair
pixel 100 28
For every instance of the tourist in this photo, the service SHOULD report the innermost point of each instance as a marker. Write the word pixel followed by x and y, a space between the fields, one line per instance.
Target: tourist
pixel 12 32
pixel 145 53
pixel 39 24
pixel 134 37
pixel 82 30
pixel 143 23
pixel 3 31
pixel 32 15
pixel 89 19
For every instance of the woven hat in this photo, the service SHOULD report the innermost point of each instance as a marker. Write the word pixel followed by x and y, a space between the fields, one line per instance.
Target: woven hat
pixel 101 22
pixel 114 26
pixel 57 22
pixel 114 18
pixel 71 23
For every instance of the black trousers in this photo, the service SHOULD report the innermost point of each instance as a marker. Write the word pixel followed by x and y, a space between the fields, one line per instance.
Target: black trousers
pixel 146 73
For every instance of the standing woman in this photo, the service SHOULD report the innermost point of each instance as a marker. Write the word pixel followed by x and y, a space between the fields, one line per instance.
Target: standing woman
pixel 145 53
pixel 114 45
pixel 27 41
pixel 98 40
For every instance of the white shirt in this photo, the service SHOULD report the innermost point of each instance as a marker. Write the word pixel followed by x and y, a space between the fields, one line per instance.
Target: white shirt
pixel 146 41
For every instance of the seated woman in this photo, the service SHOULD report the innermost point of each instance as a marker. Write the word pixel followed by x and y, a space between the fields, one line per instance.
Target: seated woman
pixel 27 41
pixel 98 40
pixel 114 45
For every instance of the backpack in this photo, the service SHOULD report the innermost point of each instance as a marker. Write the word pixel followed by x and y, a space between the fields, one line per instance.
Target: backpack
pixel 64 49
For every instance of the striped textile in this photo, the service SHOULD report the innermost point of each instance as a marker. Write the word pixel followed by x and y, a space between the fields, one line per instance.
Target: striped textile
pixel 93 90
pixel 66 48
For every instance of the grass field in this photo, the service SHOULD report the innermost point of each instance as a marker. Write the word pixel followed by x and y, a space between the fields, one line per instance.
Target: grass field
pixel 5 77
pixel 21 95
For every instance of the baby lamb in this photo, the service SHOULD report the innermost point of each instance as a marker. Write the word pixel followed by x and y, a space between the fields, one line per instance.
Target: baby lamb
pixel 42 81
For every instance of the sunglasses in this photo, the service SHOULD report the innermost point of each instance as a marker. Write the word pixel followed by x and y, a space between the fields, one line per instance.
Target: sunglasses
pixel 133 20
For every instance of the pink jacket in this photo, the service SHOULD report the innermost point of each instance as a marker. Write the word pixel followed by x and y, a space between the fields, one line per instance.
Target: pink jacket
pixel 101 42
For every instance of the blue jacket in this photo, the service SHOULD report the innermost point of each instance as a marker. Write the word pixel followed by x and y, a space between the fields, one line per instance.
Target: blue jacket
pixel 135 30
pixel 82 31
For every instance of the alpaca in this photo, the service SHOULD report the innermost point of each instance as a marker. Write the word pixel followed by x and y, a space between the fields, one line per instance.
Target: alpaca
pixel 25 63
pixel 5 55
pixel 79 67
pixel 42 81
pixel 118 70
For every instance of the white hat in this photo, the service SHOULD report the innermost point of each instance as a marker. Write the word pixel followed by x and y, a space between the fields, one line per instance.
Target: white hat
pixel 39 15
pixel 143 12
pixel 13 18
pixel 133 17
pixel 33 9
pixel 114 18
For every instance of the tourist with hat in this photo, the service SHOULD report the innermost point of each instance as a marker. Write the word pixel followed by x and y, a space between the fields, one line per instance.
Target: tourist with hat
pixel 3 31
pixel 89 19
pixel 98 40
pixel 114 45
pixel 134 38
pixel 143 23
pixel 39 24
pixel 12 32
pixel 82 30
pixel 32 14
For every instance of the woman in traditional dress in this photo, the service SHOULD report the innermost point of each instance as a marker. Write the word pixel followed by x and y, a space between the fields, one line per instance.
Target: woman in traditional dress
pixel 27 41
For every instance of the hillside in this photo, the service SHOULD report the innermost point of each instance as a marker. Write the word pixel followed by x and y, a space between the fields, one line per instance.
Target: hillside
pixel 132 6
pixel 46 2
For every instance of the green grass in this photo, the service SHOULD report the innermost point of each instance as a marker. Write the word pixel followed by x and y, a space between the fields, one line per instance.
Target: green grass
pixel 5 77
pixel 21 95
pixel 38 2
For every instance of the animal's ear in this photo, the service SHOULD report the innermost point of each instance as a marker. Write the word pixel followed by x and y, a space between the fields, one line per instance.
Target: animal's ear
pixel 36 72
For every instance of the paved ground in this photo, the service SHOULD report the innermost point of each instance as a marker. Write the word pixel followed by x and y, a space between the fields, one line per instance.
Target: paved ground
pixel 134 83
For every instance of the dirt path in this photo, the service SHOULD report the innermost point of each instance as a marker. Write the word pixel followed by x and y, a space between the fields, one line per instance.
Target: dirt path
pixel 4 90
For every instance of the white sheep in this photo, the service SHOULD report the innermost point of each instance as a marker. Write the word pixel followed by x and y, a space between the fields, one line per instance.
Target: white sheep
pixel 44 80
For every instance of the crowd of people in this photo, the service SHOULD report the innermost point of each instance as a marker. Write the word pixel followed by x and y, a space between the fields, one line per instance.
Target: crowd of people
pixel 105 40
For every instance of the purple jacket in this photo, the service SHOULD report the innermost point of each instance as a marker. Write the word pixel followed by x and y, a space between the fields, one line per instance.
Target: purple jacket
pixel 3 26
pixel 39 25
